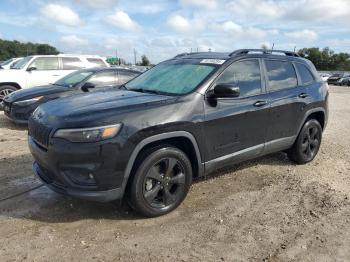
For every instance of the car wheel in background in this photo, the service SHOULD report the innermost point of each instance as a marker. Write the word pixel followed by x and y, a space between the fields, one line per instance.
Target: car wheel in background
pixel 5 90
pixel 161 182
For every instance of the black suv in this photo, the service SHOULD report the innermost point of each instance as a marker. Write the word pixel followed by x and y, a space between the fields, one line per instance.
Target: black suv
pixel 182 119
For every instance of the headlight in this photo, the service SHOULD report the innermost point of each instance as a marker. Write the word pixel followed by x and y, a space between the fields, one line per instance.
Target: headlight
pixel 28 101
pixel 91 134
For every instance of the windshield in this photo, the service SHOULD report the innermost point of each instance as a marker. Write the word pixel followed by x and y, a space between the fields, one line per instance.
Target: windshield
pixel 176 77
pixel 16 63
pixel 74 78
pixel 7 62
pixel 21 63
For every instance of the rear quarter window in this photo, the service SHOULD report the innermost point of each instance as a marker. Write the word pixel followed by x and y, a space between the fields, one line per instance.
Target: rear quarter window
pixel 305 74
pixel 98 62
pixel 280 74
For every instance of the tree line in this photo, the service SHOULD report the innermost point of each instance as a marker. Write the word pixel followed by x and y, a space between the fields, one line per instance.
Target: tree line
pixel 10 49
pixel 324 59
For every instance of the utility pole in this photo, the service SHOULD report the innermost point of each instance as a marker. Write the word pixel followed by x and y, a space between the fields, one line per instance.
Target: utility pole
pixel 135 55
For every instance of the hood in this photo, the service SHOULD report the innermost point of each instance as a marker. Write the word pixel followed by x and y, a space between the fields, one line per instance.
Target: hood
pixel 28 93
pixel 10 75
pixel 97 106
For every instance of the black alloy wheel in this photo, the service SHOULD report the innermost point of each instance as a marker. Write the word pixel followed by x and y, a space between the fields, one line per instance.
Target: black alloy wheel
pixel 161 181
pixel 307 143
pixel 164 183
pixel 311 142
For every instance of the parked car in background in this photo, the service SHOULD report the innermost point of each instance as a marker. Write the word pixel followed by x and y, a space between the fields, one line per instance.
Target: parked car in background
pixel 324 76
pixel 8 63
pixel 337 79
pixel 182 119
pixel 19 105
pixel 42 70
pixel 346 81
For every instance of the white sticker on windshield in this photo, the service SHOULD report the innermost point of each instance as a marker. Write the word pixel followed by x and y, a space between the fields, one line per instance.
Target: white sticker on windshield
pixel 213 61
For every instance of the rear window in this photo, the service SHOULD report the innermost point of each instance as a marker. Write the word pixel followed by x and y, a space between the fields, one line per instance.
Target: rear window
pixel 305 74
pixel 97 62
pixel 72 63
pixel 281 75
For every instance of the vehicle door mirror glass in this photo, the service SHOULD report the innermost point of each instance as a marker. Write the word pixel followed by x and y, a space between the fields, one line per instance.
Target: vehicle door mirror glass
pixel 226 90
pixel 31 68
pixel 87 86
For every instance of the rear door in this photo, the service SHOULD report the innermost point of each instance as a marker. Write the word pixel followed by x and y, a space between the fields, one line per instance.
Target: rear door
pixel 288 100
pixel 103 80
pixel 125 76
pixel 235 126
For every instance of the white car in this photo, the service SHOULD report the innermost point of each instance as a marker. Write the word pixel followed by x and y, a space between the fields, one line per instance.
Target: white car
pixel 44 69
pixel 8 63
pixel 325 76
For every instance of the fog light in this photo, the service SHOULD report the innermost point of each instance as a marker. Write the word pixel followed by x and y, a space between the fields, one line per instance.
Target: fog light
pixel 81 178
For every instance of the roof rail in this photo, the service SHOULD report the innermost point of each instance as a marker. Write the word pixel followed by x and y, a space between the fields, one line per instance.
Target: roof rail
pixel 182 54
pixel 264 51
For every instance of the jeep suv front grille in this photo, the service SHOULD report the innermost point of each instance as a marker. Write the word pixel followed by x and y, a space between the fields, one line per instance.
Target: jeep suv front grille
pixel 39 132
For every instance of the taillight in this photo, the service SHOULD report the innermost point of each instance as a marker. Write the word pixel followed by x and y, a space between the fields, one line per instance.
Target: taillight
pixel 327 86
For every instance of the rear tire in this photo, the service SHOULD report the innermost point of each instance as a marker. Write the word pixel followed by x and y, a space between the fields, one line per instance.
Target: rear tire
pixel 307 144
pixel 5 90
pixel 161 182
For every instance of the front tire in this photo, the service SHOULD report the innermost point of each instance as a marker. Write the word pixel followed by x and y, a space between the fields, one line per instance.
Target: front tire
pixel 161 182
pixel 307 144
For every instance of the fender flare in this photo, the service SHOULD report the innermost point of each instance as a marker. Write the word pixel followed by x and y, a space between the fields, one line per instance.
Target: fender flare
pixel 308 113
pixel 14 84
pixel 156 138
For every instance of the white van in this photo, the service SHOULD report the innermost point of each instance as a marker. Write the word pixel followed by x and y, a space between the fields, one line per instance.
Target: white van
pixel 44 69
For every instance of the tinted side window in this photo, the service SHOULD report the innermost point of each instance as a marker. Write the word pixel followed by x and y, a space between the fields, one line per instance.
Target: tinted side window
pixel 124 77
pixel 97 62
pixel 281 75
pixel 245 75
pixel 305 74
pixel 103 79
pixel 45 63
pixel 72 63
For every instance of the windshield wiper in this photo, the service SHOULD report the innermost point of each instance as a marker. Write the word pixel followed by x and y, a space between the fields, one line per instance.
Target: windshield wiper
pixel 142 90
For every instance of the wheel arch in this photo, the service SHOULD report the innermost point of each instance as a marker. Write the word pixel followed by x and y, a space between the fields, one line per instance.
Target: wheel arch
pixel 318 113
pixel 14 84
pixel 183 140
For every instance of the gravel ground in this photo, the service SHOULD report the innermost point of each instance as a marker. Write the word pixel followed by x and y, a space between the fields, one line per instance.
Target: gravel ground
pixel 263 210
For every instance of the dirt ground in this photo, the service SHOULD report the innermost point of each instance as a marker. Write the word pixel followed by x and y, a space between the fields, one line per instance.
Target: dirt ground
pixel 263 210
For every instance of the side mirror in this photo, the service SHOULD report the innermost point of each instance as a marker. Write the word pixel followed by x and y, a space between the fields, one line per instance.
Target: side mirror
pixel 225 91
pixel 87 86
pixel 31 68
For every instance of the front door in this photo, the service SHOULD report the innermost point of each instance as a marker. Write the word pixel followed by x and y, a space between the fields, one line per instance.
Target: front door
pixel 236 127
pixel 44 70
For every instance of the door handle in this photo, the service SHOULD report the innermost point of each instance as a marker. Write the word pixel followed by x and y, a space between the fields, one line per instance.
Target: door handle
pixel 260 103
pixel 303 95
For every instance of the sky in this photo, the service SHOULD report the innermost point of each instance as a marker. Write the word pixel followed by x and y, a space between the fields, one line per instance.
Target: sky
pixel 162 28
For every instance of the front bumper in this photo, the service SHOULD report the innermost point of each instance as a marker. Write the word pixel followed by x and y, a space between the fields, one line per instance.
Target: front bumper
pixel 99 196
pixel 18 114
pixel 84 170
